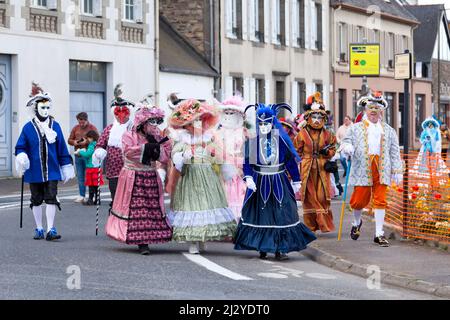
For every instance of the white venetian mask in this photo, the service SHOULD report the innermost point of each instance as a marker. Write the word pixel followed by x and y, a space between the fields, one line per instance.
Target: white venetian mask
pixel 43 109
pixel 265 127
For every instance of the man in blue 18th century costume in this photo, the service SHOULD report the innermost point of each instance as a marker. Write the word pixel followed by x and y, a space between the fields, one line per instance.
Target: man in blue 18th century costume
pixel 43 158
pixel 269 221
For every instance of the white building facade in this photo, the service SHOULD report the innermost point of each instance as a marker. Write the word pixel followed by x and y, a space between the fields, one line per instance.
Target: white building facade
pixel 275 50
pixel 77 50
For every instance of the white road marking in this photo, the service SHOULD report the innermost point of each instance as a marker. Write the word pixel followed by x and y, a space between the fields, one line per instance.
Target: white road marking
pixel 321 276
pixel 272 275
pixel 214 267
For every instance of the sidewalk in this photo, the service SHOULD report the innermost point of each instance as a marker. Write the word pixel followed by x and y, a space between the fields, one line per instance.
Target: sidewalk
pixel 11 185
pixel 403 264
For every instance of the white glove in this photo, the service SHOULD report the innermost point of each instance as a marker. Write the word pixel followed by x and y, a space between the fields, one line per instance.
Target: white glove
pixel 22 163
pixel 162 174
pixel 177 160
pixel 98 156
pixel 187 156
pixel 250 183
pixel 67 172
pixel 397 178
pixel 296 186
pixel 347 150
pixel 228 171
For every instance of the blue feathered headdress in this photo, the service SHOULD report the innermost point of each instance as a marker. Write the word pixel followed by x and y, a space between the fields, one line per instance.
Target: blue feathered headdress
pixel 269 113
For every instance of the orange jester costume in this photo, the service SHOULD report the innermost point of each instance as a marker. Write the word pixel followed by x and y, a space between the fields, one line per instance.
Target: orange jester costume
pixel 316 145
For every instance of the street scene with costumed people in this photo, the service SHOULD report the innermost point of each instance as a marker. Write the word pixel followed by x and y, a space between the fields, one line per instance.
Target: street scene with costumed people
pixel 300 146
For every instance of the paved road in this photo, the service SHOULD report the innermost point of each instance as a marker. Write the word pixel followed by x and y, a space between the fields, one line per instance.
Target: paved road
pixel 32 269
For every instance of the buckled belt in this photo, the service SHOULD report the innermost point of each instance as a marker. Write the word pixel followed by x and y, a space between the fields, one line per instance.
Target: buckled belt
pixel 269 170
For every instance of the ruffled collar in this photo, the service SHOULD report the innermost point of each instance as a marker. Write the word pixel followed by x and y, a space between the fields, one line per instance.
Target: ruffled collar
pixel 185 137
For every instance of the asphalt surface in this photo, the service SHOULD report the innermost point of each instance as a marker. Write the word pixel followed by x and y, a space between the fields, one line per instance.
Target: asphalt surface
pixel 84 266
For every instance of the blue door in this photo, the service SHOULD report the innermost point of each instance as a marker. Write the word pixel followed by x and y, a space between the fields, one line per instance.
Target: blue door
pixel 5 116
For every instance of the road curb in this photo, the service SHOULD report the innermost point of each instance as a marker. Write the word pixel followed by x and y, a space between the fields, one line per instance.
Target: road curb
pixel 322 257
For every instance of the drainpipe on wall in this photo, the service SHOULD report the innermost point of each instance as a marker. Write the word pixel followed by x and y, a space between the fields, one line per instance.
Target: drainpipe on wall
pixel 333 69
pixel 156 44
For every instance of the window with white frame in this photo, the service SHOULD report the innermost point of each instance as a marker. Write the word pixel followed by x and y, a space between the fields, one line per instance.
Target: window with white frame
pixel 298 23
pixel 359 34
pixel 129 10
pixel 256 20
pixel 40 3
pixel 404 43
pixel 132 10
pixel 391 49
pixel 343 42
pixel 259 90
pixel 45 4
pixel 87 7
pixel 316 26
pixel 234 19
pixel 376 36
pixel 279 12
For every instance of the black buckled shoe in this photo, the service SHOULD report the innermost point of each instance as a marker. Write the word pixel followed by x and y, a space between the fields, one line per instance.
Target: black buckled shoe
pixel 381 240
pixel 144 249
pixel 263 255
pixel 356 231
pixel 281 256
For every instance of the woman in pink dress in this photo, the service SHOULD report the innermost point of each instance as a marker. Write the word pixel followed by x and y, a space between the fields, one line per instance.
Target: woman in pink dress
pixel 138 216
pixel 230 137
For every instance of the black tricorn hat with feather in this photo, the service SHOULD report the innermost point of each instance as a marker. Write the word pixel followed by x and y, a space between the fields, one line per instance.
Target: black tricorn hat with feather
pixel 118 100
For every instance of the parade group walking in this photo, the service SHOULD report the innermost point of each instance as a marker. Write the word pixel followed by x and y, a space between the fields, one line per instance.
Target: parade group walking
pixel 229 178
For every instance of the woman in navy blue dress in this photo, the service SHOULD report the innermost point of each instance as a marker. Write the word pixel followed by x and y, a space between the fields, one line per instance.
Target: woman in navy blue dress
pixel 269 221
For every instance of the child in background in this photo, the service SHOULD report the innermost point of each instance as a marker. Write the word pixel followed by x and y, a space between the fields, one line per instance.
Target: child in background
pixel 94 176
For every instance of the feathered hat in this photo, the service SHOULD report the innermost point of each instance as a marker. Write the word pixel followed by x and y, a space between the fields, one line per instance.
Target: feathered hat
pixel 190 110
pixel 235 103
pixel 37 95
pixel 375 99
pixel 145 110
pixel 314 104
pixel 118 100
pixel 173 100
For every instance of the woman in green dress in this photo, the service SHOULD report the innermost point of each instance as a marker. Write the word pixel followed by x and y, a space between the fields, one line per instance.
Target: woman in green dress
pixel 199 210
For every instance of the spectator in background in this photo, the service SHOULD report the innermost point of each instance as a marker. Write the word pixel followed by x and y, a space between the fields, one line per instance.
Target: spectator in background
pixel 340 134
pixel 94 175
pixel 445 135
pixel 78 140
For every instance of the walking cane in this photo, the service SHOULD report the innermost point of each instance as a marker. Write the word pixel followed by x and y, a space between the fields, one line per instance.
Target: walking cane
pixel 21 202
pixel 98 199
pixel 349 165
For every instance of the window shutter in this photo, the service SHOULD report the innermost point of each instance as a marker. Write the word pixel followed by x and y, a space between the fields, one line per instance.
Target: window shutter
pixel 313 25
pixel 228 86
pixel 246 94
pixel 307 24
pixel 244 19
pixel 138 11
pixel 287 23
pixel 294 23
pixel 324 28
pixel 229 18
pixel 319 11
pixel 251 20
pixel 97 9
pixel 294 98
pixel 274 22
pixel 266 21
pixel 52 4
pixel 251 91
pixel 382 49
pixel 267 90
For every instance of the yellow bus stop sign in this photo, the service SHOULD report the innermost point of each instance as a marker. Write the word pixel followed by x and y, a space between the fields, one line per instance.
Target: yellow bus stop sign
pixel 364 60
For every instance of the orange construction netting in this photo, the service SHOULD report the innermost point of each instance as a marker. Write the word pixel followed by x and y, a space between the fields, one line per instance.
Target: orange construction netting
pixel 425 213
